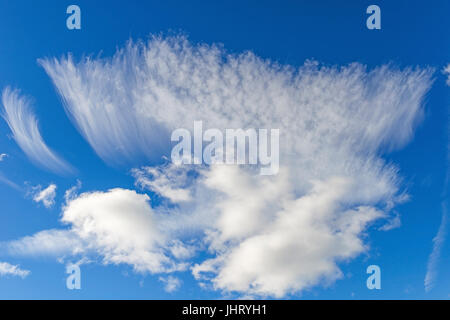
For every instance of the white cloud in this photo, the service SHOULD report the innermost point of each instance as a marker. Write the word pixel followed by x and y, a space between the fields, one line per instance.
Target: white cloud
pixel 171 283
pixel 9 183
pixel 433 260
pixel 7 269
pixel 447 73
pixel 46 196
pixel 122 226
pixel 269 236
pixel 439 239
pixel 71 193
pixel 54 243
pixel 25 131
pixel 286 249
pixel 168 83
pixel 393 223
pixel 5 180
pixel 170 182
pixel 118 225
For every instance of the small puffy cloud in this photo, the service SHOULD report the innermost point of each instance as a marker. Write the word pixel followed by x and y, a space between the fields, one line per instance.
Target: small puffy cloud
pixel 160 80
pixel 71 193
pixel 3 156
pixel 7 269
pixel 171 283
pixel 446 71
pixel 46 196
pixel 23 123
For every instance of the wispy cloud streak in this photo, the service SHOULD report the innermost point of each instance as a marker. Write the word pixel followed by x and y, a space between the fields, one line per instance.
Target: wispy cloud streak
pixel 439 239
pixel 25 131
pixel 433 260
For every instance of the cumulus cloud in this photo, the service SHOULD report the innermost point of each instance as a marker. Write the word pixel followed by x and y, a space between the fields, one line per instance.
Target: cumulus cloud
pixel 7 269
pixel 122 226
pixel 3 156
pixel 274 250
pixel 25 131
pixel 268 236
pixel 393 223
pixel 171 283
pixel 46 196
pixel 118 225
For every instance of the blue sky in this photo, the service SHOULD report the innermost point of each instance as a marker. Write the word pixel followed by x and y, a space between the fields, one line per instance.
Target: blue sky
pixel 288 33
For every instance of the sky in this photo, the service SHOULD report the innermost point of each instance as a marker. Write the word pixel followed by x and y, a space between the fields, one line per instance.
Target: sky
pixel 86 176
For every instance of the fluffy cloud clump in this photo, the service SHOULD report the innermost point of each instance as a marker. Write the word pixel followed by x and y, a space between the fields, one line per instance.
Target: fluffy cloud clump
pixel 118 225
pixel 7 269
pixel 268 235
pixel 46 196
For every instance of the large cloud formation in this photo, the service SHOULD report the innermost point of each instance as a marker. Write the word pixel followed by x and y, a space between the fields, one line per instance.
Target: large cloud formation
pixel 269 235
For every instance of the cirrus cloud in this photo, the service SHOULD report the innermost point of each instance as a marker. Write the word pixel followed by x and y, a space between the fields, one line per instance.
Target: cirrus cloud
pixel 25 131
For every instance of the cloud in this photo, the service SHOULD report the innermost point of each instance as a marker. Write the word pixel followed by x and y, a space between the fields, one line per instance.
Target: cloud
pixel 394 223
pixel 53 243
pixel 433 260
pixel 71 193
pixel 7 269
pixel 9 183
pixel 170 182
pixel 124 105
pixel 439 239
pixel 46 196
pixel 121 225
pixel 446 71
pixel 171 283
pixel 5 180
pixel 25 131
pixel 118 225
pixel 271 251
pixel 266 236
